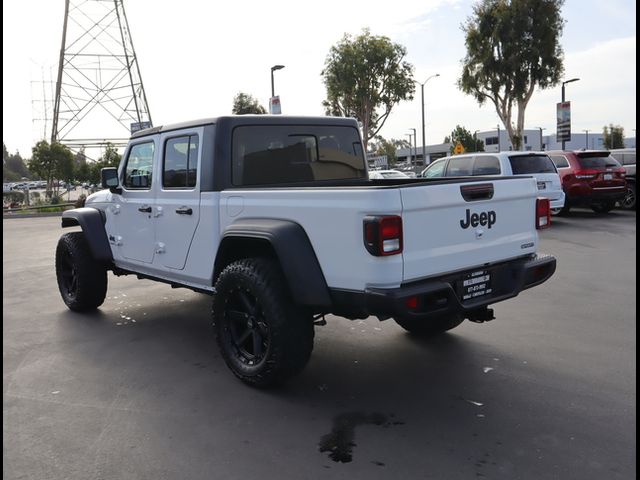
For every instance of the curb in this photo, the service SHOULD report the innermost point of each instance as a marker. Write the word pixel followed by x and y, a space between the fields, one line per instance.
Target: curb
pixel 31 215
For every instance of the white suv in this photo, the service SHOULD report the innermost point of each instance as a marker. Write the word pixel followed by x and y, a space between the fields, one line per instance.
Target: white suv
pixel 528 164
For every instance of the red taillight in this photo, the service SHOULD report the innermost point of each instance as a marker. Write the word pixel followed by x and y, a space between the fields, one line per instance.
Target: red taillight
pixel 582 174
pixel 543 213
pixel 383 235
pixel 411 302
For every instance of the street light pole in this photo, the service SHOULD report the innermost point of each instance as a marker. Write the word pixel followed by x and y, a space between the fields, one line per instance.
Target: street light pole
pixel 275 67
pixel 498 127
pixel 424 153
pixel 563 84
pixel 541 142
pixel 410 160
pixel 586 142
pixel 415 148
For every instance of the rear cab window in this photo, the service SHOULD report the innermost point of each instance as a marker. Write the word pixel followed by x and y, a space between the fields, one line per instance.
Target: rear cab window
pixel 275 154
pixel 530 164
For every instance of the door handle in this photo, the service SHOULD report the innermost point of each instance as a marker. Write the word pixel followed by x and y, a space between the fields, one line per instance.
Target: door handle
pixel 184 211
pixel 146 209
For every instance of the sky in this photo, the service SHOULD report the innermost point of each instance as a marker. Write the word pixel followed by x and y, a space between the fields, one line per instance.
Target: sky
pixel 196 55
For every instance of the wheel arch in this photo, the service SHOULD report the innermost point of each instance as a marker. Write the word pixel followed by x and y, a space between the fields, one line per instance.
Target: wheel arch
pixel 288 243
pixel 91 220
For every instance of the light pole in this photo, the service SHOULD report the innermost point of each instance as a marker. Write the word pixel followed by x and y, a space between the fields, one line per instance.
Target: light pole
pixel 410 160
pixel 424 153
pixel 563 84
pixel 415 148
pixel 541 142
pixel 586 141
pixel 475 141
pixel 498 127
pixel 275 67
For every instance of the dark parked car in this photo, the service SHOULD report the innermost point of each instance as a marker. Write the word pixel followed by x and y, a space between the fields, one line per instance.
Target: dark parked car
pixel 590 178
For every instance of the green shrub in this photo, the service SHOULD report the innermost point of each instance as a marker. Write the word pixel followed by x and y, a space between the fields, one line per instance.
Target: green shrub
pixel 80 201
pixel 13 197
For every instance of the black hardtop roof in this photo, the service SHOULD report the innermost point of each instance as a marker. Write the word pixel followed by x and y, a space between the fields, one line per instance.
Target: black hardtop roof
pixel 237 120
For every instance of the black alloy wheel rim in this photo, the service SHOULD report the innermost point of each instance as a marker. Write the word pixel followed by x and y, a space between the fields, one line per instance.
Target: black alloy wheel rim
pixel 246 326
pixel 629 199
pixel 69 275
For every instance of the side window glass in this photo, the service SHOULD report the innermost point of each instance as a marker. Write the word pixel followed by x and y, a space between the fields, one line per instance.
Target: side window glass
pixel 180 162
pixel 436 171
pixel 139 166
pixel 486 165
pixel 460 166
pixel 560 161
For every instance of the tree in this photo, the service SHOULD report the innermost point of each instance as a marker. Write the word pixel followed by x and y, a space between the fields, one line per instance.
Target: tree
pixel 382 146
pixel 51 162
pixel 13 166
pixel 244 103
pixel 512 46
pixel 613 136
pixel 470 142
pixel 110 158
pixel 365 77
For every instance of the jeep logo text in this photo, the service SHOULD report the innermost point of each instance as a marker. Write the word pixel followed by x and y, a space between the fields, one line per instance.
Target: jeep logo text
pixel 475 219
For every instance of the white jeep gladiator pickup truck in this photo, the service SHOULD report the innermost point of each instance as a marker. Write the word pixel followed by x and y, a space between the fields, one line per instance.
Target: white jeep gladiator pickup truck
pixel 276 218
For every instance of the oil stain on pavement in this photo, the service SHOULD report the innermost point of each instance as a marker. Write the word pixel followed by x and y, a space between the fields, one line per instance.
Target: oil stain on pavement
pixel 340 441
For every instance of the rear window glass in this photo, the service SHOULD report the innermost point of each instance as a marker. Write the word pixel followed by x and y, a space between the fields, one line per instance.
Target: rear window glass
pixel 599 161
pixel 460 167
pixel 272 154
pixel 528 164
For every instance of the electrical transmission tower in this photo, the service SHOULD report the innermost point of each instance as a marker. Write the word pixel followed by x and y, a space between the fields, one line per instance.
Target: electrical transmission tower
pixel 99 96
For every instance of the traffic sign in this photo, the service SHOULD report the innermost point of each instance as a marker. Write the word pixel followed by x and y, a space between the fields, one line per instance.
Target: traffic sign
pixel 458 148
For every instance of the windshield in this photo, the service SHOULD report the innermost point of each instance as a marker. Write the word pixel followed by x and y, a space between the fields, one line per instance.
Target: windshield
pixel 528 164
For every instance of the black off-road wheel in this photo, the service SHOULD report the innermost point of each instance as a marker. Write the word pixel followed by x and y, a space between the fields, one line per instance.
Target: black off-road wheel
pixel 604 207
pixel 263 336
pixel 429 327
pixel 82 280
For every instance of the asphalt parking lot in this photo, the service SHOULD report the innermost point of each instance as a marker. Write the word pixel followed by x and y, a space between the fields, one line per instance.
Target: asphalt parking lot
pixel 139 391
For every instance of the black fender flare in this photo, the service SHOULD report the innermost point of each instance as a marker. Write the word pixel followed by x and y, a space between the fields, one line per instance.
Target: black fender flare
pixel 91 220
pixel 294 253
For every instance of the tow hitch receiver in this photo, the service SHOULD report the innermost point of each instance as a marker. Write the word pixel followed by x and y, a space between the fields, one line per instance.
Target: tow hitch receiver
pixel 481 315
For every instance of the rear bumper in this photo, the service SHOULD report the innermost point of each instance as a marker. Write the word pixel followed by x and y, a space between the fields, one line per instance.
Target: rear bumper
pixel 594 195
pixel 441 295
pixel 557 202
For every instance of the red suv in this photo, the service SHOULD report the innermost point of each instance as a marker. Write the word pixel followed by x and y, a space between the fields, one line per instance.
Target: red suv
pixel 591 178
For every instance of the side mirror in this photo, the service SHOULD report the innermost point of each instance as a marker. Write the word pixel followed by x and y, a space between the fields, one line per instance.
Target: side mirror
pixel 109 177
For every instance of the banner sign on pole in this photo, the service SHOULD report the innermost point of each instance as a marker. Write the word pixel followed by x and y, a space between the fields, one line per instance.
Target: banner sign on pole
pixel 563 128
pixel 274 105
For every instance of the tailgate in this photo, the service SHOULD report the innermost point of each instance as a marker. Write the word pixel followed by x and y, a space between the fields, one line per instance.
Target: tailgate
pixel 445 232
